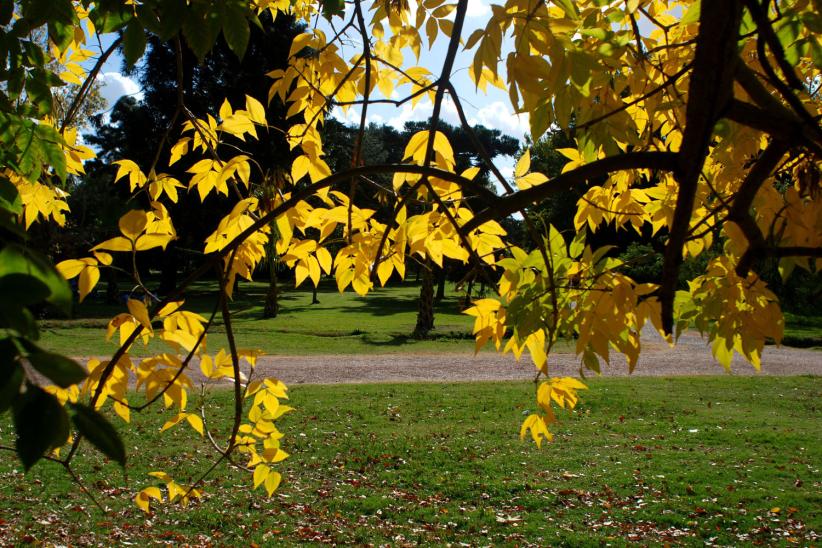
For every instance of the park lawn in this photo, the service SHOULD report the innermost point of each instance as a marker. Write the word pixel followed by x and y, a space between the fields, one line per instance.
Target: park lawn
pixel 715 460
pixel 346 323
pixel 803 331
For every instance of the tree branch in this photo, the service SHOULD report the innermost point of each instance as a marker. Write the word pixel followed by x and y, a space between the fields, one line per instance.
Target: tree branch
pixel 506 205
pixel 710 90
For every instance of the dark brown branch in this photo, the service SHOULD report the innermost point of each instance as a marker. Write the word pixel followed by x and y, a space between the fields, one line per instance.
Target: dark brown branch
pixel 74 107
pixel 356 158
pixel 710 90
pixel 757 175
pixel 769 36
pixel 786 128
pixel 579 177
pixel 235 358
pixel 740 211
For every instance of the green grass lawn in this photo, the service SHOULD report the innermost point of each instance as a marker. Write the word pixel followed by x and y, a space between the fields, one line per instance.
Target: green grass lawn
pixel 722 460
pixel 344 323
pixel 803 331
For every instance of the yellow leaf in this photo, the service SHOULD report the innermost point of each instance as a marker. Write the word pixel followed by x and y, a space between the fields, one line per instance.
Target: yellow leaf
pixel 470 173
pixel 272 482
pixel 136 177
pixel 133 223
pixel 318 170
pixel 523 165
pixel 255 109
pixel 70 268
pixel 324 258
pixel 196 423
pixel 300 167
pixel 88 279
pixel 115 244
pixel 172 422
pixel 122 410
pixel 225 110
pixel 539 430
pixel 313 270
pixel 168 308
pixel 103 258
pixel 179 150
pixel 138 310
pixel 150 241
pixel 261 473
pixel 143 497
pixel 531 179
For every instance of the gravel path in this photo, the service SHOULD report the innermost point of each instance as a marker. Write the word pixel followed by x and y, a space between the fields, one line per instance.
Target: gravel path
pixel 691 356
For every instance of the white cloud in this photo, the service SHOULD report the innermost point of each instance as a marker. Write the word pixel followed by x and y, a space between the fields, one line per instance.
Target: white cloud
pixel 114 85
pixel 477 8
pixel 423 111
pixel 498 115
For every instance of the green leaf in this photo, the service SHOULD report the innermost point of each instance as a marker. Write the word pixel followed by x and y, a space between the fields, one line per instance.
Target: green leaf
pixel 201 27
pixel 39 93
pixel 134 42
pixel 21 290
pixel 20 320
pixel 41 424
pixel 148 18
pixel 692 15
pixel 58 14
pixel 333 7
pixel 99 431
pixel 110 19
pixel 9 197
pixel 35 55
pixel 11 373
pixel 235 29
pixel 15 259
pixel 577 245
pixel 52 155
pixel 172 15
pixel 13 230
pixel 590 361
pixel 62 371
pixel 568 7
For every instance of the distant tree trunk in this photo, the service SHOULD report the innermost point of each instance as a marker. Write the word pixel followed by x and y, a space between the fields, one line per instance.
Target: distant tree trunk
pixel 467 301
pixel 442 274
pixel 112 289
pixel 272 303
pixel 168 275
pixel 314 299
pixel 425 313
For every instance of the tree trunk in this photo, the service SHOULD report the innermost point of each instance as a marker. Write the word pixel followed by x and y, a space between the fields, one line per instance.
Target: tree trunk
pixel 314 299
pixel 112 288
pixel 168 275
pixel 272 303
pixel 441 284
pixel 467 302
pixel 425 313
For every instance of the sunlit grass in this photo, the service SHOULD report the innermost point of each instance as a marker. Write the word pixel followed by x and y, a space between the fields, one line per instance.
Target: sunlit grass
pixel 723 460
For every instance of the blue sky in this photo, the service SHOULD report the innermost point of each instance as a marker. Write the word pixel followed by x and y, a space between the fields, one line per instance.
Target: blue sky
pixel 492 110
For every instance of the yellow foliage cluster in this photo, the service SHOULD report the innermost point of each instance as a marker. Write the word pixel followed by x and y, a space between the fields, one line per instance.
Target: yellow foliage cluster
pixel 747 178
